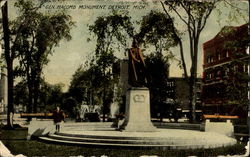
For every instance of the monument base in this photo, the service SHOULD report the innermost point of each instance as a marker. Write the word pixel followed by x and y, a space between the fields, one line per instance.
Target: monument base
pixel 138 117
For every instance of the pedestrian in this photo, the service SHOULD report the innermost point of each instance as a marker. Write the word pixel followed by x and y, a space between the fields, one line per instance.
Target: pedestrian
pixel 58 117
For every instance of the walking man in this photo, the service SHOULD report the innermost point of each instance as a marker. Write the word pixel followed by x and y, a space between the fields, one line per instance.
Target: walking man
pixel 58 117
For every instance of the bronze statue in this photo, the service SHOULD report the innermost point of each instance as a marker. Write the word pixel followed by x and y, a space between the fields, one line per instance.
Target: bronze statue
pixel 137 67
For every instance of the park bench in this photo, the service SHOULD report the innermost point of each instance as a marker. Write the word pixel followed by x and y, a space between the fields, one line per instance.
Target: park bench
pixel 219 118
pixel 38 115
pixel 206 116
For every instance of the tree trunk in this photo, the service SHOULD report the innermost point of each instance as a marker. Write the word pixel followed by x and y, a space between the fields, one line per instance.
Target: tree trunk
pixel 10 111
pixel 193 78
pixel 36 92
pixel 9 61
pixel 104 104
pixel 30 92
pixel 183 59
pixel 192 99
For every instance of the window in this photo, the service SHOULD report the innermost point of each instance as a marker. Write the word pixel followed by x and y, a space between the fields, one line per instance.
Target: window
pixel 227 54
pixel 210 76
pixel 246 68
pixel 218 74
pixel 235 68
pixel 208 59
pixel 212 59
pixel 227 72
pixel 219 56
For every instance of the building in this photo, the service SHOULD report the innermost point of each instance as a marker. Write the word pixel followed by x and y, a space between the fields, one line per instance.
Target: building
pixel 223 63
pixel 178 90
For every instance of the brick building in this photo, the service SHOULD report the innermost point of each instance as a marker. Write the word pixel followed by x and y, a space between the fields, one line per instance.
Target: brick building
pixel 223 61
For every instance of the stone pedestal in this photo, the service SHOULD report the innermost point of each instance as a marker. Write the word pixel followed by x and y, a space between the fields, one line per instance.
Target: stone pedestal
pixel 138 117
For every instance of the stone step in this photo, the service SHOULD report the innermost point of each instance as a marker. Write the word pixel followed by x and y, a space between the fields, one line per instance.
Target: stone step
pixel 184 126
pixel 107 125
pixel 162 138
pixel 100 139
pixel 134 145
pixel 88 129
pixel 107 137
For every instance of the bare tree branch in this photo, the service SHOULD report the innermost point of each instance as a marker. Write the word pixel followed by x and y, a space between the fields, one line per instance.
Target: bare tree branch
pixel 180 44
pixel 171 6
pixel 207 15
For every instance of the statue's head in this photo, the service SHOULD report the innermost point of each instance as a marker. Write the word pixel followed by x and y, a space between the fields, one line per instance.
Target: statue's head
pixel 135 43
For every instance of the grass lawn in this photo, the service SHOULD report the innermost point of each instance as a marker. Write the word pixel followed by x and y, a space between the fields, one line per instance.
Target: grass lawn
pixel 15 141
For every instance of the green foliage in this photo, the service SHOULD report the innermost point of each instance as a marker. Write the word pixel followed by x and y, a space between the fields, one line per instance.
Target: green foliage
pixel 111 34
pixel 237 86
pixel 69 105
pixel 34 35
pixel 80 84
pixel 88 83
pixel 237 78
pixel 38 33
pixel 21 93
pixel 156 29
pixel 236 11
pixel 49 96
pixel 158 69
pixel 194 15
pixel 116 26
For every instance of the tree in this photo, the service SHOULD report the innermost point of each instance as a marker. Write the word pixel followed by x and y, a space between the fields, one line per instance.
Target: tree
pixel 237 88
pixel 21 93
pixel 156 30
pixel 36 34
pixel 158 68
pixel 115 27
pixel 236 84
pixel 79 84
pixel 194 15
pixel 9 57
pixel 51 95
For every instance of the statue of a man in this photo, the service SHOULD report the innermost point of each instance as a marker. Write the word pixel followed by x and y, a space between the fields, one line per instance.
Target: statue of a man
pixel 137 68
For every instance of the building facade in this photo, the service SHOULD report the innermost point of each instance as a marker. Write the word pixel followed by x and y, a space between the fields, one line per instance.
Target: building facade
pixel 224 66
pixel 178 90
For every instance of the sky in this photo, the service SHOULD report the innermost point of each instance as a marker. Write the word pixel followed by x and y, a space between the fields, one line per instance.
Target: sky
pixel 69 55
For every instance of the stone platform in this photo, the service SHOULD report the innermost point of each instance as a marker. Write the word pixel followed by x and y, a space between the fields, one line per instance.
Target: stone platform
pixel 102 135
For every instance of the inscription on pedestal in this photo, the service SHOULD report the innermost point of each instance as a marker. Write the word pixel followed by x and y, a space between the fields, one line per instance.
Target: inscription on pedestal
pixel 139 98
